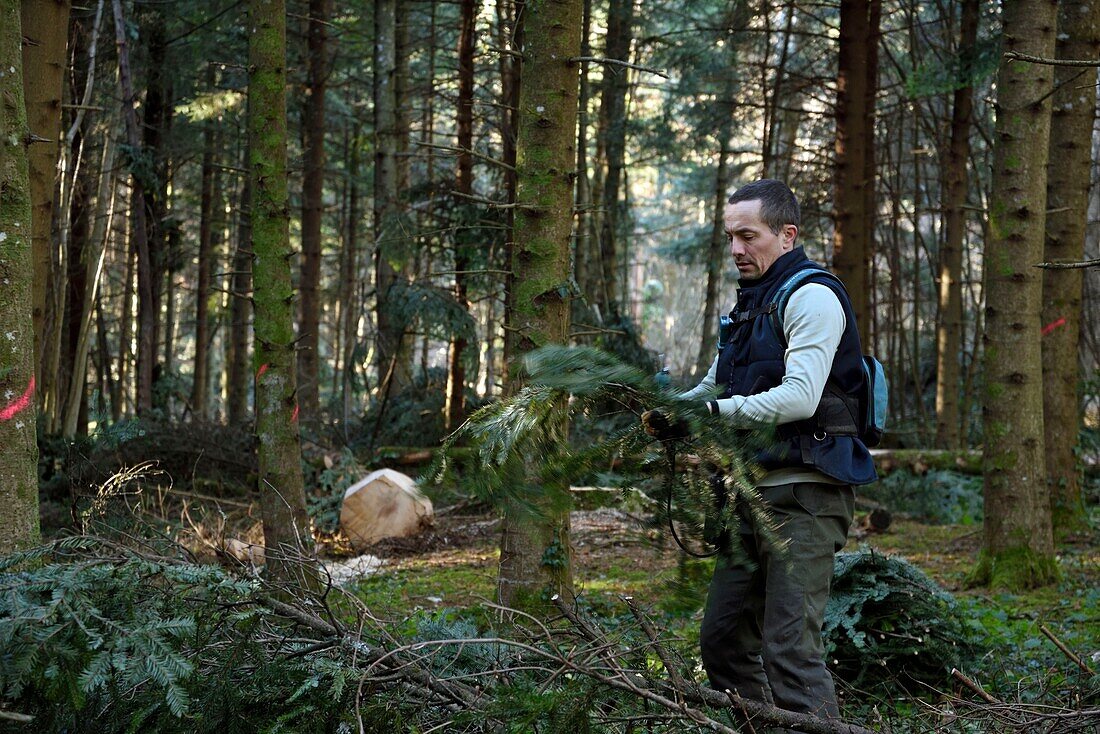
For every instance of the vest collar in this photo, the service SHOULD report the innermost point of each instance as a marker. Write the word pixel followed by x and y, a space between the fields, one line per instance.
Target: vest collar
pixel 787 263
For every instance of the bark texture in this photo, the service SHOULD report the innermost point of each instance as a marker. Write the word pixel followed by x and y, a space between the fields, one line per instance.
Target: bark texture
pixel 535 555
pixel 287 535
pixel 1072 116
pixel 949 328
pixel 854 152
pixel 313 188
pixel 18 447
pixel 44 64
pixel 1018 548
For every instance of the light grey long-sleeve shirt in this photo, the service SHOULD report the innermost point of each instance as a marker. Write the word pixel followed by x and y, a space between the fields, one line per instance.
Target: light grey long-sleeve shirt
pixel 813 323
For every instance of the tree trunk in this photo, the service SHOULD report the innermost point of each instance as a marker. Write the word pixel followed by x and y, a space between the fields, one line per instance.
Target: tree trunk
pixel 139 230
pixel 313 189
pixel 287 536
pixel 851 250
pixel 18 447
pixel 511 20
pixel 535 555
pixel 350 306
pixel 199 387
pixel 156 119
pixel 949 328
pixel 239 379
pixel 612 128
pixel 44 62
pixel 1072 116
pixel 94 262
pixel 1018 548
pixel 394 369
pixel 464 184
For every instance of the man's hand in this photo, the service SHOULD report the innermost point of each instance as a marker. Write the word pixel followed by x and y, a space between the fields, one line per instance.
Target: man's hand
pixel 657 424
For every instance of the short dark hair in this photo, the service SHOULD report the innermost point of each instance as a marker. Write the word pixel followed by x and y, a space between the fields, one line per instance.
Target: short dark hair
pixel 778 205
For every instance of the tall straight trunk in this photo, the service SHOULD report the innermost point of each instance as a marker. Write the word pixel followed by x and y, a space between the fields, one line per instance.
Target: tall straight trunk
pixel 172 267
pixel 949 328
pixel 313 189
pixel 79 213
pixel 239 379
pixel 44 62
pixel 156 121
pixel 94 260
pixel 510 17
pixel 287 537
pixel 1072 117
pixel 851 250
pixel 139 230
pixel 350 310
pixel 583 262
pixel 612 128
pixel 1018 549
pixel 392 357
pixel 199 386
pixel 464 185
pixel 18 447
pixel 535 555
pixel 870 178
pixel 716 248
pixel 126 363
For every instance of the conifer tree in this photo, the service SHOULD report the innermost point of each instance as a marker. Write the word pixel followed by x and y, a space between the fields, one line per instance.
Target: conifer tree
pixel 1018 547
pixel 535 556
pixel 287 535
pixel 18 447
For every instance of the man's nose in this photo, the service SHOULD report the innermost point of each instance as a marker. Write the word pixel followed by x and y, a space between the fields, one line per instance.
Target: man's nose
pixel 736 247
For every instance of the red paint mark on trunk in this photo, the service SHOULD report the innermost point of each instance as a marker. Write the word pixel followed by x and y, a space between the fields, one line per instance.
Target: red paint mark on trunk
pixel 1054 325
pixel 19 404
pixel 294 417
pixel 261 371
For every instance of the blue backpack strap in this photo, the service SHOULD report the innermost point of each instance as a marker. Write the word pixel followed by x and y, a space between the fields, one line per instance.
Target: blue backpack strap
pixel 783 296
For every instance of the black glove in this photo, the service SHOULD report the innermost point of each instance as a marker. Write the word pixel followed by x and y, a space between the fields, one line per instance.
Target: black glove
pixel 657 424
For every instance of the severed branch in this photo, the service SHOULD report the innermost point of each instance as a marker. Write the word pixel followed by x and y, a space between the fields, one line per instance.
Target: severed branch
pixel 973 685
pixel 474 153
pixel 1070 265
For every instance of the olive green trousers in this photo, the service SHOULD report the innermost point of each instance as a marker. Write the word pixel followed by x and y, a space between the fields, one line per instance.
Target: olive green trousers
pixel 761 633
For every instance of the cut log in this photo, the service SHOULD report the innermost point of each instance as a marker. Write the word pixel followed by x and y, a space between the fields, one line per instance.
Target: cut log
pixel 386 504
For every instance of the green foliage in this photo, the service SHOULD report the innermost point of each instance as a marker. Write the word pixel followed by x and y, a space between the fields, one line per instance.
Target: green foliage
pixel 888 624
pixel 587 381
pixel 96 639
pixel 938 497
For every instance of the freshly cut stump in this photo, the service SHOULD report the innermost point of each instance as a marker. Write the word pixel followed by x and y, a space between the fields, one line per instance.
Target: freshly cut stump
pixel 386 504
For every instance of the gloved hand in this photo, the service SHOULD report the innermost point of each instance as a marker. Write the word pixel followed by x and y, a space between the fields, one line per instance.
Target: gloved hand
pixel 658 424
pixel 662 427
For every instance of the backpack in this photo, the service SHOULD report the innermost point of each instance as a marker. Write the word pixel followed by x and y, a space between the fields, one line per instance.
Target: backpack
pixel 874 393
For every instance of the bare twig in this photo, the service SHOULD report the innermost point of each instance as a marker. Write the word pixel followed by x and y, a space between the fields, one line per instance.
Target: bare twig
pixel 1017 56
pixel 1069 653
pixel 616 62
pixel 1070 265
pixel 973 685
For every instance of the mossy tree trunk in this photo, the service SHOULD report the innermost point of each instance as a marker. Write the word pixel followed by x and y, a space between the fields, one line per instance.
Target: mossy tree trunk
pixel 238 378
pixel 535 555
pixel 18 447
pixel 1072 116
pixel 1018 549
pixel 287 536
pixel 949 327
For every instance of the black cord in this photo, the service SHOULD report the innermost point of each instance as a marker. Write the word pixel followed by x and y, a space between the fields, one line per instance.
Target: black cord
pixel 670 478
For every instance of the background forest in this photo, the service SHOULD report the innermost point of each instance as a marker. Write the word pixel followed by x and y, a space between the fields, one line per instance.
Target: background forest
pixel 253 250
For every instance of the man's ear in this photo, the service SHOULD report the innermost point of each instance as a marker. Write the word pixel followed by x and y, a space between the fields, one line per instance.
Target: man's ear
pixel 790 234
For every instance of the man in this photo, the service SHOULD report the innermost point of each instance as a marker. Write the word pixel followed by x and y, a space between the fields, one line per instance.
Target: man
pixel 761 634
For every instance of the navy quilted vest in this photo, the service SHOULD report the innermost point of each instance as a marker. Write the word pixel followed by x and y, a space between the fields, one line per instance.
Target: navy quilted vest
pixel 752 362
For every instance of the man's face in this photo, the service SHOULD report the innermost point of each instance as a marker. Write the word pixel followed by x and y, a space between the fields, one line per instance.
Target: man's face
pixel 753 245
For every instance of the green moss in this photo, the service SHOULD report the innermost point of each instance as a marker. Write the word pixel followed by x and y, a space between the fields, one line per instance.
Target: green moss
pixel 1014 569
